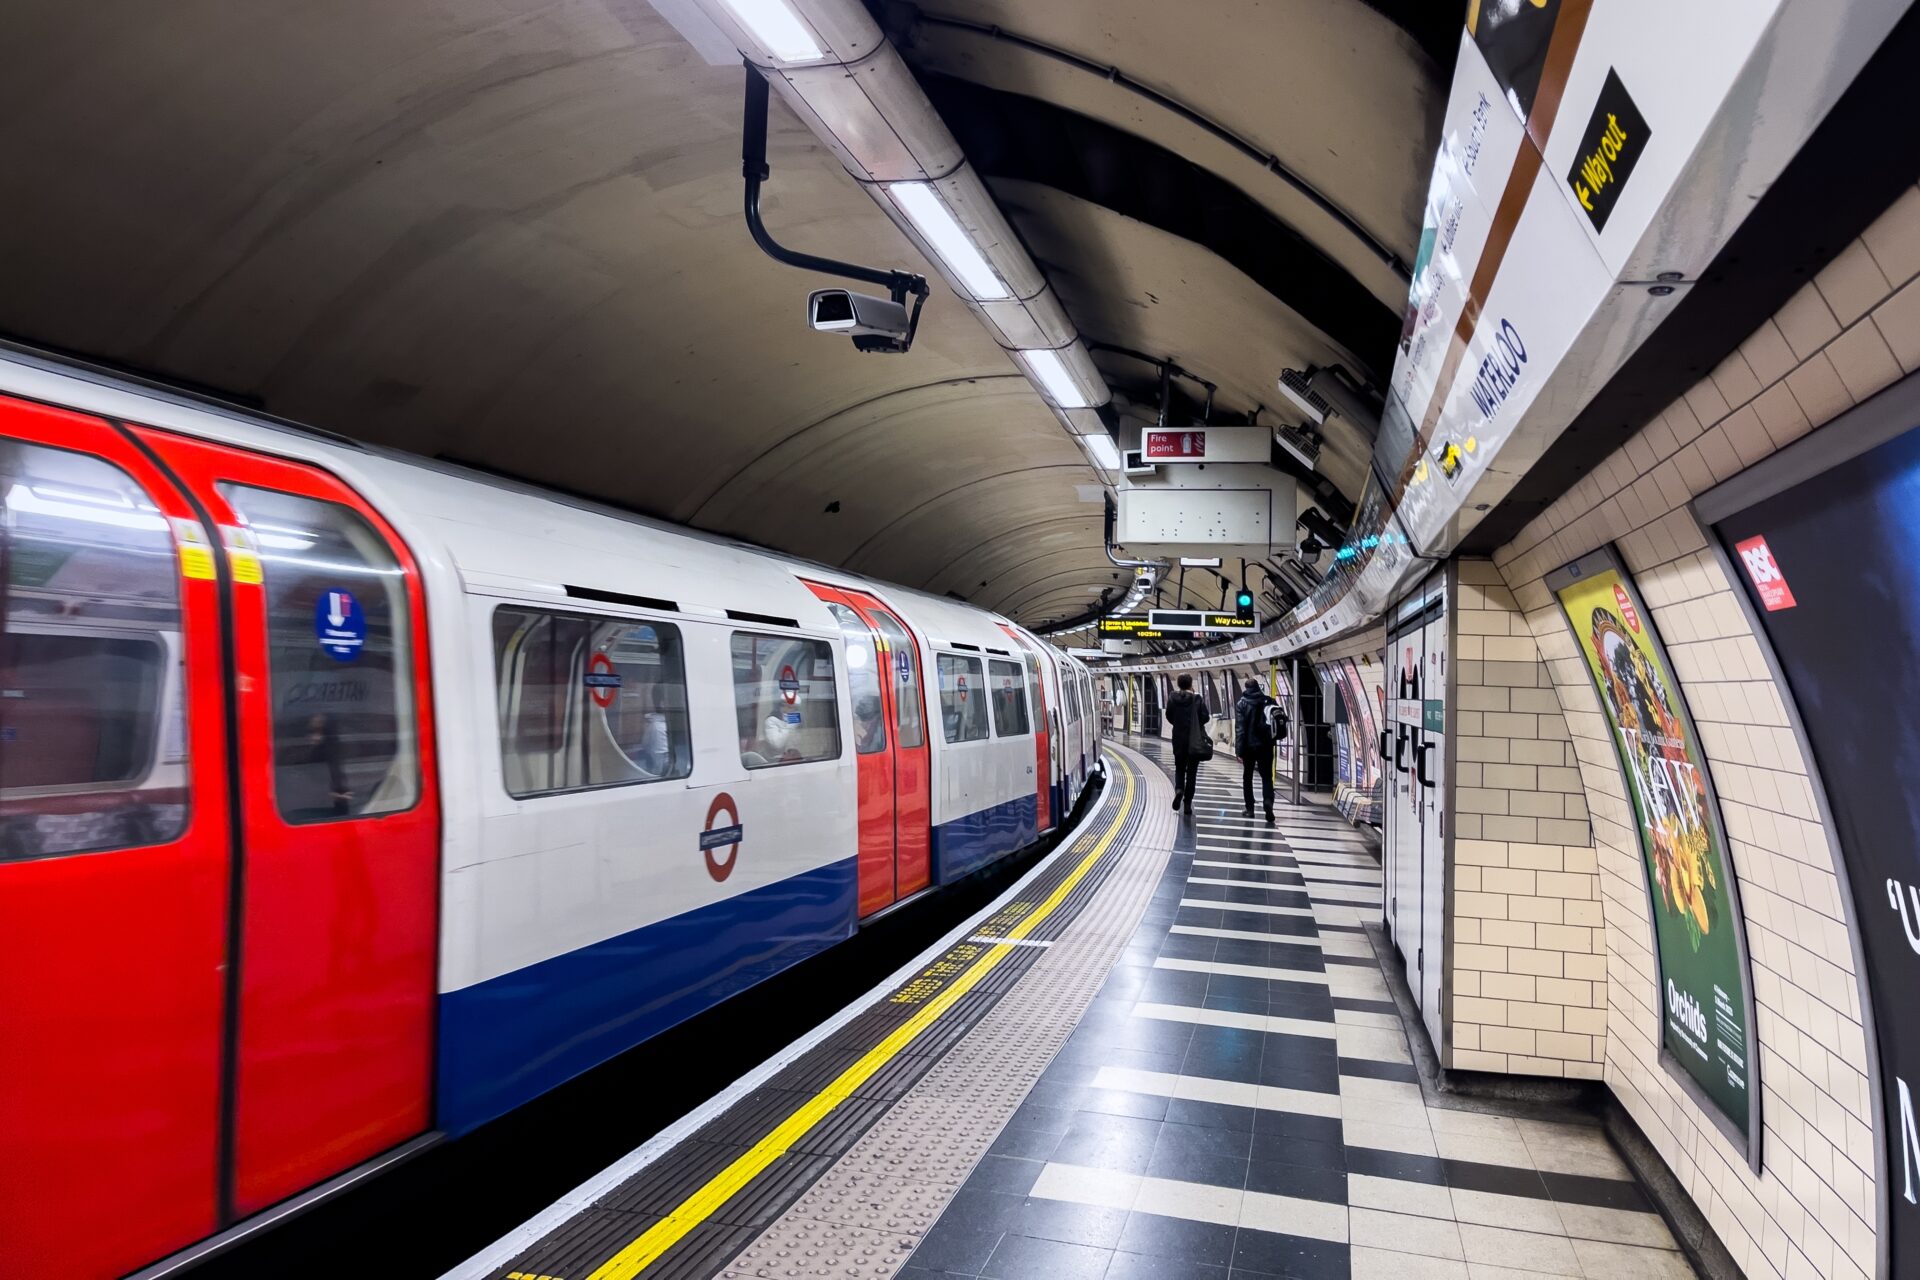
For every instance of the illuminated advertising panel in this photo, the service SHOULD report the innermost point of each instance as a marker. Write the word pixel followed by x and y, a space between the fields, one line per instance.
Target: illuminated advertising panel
pixel 1699 936
pixel 1820 540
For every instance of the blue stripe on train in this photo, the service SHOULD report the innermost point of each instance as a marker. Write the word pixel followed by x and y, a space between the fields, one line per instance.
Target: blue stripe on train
pixel 969 843
pixel 511 1038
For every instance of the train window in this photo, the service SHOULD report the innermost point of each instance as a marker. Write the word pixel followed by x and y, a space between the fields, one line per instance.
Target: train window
pixel 343 717
pixel 863 681
pixel 1009 704
pixel 906 680
pixel 963 698
pixel 785 700
pixel 588 701
pixel 92 709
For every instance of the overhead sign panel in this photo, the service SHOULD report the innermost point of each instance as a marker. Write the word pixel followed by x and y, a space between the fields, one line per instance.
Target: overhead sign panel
pixel 1173 446
pixel 1206 444
pixel 1130 629
pixel 1196 622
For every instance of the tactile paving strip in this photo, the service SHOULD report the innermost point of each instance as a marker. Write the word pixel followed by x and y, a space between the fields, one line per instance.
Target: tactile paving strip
pixel 863 1219
pixel 928 1126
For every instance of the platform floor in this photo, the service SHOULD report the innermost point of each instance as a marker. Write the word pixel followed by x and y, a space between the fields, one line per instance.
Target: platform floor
pixel 1170 1053
pixel 1239 1101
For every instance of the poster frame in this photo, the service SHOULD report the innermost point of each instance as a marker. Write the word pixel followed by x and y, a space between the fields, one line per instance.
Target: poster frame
pixel 1747 1141
pixel 1883 417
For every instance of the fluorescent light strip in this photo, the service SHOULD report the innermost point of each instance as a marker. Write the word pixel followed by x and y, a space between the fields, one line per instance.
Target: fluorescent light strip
pixel 933 219
pixel 778 28
pixel 1059 384
pixel 1103 450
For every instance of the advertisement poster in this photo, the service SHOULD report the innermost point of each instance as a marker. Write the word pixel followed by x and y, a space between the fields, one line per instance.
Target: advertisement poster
pixel 1514 34
pixel 1361 801
pixel 1827 561
pixel 1697 926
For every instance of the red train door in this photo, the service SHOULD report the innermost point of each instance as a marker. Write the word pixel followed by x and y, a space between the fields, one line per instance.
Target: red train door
pixel 339 820
pixel 1043 761
pixel 912 762
pixel 114 856
pixel 873 752
pixel 890 747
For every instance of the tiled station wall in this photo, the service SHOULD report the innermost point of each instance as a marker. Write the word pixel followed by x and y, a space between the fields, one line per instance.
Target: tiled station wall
pixel 1529 955
pixel 1850 332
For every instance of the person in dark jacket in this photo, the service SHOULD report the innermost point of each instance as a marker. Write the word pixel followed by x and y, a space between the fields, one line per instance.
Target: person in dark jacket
pixel 1253 743
pixel 1187 717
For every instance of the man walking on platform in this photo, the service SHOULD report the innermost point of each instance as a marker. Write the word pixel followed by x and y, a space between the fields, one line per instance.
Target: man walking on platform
pixel 1253 738
pixel 1187 717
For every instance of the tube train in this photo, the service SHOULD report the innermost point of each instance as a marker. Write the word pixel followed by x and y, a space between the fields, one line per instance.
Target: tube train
pixel 347 800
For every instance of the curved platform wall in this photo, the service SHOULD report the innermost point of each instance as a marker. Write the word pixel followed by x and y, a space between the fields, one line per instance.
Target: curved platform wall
pixel 1813 1209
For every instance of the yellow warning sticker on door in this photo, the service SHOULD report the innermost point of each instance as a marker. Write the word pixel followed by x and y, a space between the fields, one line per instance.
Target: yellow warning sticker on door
pixel 195 562
pixel 196 555
pixel 242 558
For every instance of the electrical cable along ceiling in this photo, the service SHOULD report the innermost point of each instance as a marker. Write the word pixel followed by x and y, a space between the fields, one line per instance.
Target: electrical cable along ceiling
pixel 511 235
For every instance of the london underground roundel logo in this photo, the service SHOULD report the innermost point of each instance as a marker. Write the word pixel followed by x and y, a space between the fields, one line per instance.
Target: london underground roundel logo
pixel 719 836
pixel 602 681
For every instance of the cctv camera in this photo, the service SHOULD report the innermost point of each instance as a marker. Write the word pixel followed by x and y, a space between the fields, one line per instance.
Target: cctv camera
pixel 874 324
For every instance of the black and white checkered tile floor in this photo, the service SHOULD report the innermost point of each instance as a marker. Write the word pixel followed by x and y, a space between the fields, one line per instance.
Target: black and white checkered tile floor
pixel 1239 1102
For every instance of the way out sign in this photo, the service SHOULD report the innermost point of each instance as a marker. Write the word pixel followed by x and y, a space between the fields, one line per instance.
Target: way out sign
pixel 340 624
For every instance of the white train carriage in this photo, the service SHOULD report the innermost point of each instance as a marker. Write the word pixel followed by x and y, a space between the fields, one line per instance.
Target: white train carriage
pixel 658 818
pixel 453 789
pixel 988 764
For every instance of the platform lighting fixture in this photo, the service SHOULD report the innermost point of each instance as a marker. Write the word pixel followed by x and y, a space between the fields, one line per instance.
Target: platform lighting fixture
pixel 931 217
pixel 1103 450
pixel 778 29
pixel 1050 371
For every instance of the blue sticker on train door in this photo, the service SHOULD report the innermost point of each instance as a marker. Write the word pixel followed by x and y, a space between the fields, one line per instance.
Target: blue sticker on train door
pixel 340 624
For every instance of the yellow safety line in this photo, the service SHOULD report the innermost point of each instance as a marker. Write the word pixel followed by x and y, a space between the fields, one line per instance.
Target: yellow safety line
pixel 702 1204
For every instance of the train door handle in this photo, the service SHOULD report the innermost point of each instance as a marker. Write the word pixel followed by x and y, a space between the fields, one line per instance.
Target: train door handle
pixel 1384 736
pixel 1420 764
pixel 1400 750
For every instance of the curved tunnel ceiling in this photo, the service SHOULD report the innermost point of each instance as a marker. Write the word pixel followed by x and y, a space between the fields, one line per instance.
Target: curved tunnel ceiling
pixel 509 234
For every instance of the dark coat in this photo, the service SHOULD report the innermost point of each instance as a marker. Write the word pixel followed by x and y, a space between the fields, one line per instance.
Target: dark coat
pixel 1187 718
pixel 1250 730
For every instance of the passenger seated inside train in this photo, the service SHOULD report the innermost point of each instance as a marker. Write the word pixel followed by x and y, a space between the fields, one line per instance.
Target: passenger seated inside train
pixel 869 732
pixel 785 696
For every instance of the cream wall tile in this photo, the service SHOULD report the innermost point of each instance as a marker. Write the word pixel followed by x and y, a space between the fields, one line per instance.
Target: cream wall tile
pixel 1818 389
pixel 1806 322
pixel 1861 358
pixel 1898 319
pixel 1767 354
pixel 1852 283
pixel 1736 381
pixel 1894 238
